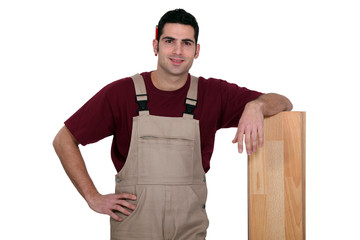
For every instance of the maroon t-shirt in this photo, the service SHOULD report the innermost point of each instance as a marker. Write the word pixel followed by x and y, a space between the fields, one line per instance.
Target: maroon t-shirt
pixel 110 112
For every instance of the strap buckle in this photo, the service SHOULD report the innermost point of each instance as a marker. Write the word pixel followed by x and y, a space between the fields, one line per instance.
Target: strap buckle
pixel 190 105
pixel 142 100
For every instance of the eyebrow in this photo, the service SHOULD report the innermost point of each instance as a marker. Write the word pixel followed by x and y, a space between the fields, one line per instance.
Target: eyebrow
pixel 183 40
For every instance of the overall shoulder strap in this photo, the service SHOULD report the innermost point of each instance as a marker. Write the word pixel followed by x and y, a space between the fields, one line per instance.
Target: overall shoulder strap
pixel 191 98
pixel 141 96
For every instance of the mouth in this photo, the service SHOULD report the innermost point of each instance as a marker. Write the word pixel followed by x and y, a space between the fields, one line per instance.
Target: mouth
pixel 177 61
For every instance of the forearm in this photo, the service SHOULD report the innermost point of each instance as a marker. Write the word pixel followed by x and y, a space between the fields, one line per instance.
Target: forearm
pixel 68 151
pixel 70 156
pixel 272 103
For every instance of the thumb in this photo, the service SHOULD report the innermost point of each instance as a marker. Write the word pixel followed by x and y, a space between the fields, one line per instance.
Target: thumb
pixel 236 137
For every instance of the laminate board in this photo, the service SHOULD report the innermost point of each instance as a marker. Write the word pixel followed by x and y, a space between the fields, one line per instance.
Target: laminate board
pixel 276 180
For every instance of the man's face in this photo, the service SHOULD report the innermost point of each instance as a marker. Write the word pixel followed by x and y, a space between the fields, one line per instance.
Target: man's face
pixel 176 49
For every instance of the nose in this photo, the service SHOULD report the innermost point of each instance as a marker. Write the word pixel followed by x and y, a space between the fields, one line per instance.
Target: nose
pixel 177 48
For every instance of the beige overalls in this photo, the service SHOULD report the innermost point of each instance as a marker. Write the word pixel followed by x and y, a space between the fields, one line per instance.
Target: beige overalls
pixel 164 170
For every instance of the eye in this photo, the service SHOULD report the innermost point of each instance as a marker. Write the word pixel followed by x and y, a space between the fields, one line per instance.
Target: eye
pixel 168 41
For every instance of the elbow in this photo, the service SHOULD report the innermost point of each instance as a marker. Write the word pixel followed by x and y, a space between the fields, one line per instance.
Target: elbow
pixel 54 143
pixel 285 103
pixel 288 105
pixel 274 103
pixel 57 142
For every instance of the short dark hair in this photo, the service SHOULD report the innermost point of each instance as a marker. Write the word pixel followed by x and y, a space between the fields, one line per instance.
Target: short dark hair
pixel 178 16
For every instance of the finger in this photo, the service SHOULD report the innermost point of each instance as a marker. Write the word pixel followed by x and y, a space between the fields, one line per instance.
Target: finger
pixel 248 142
pixel 240 141
pixel 126 196
pixel 114 216
pixel 261 136
pixel 236 137
pixel 126 204
pixel 254 140
pixel 122 210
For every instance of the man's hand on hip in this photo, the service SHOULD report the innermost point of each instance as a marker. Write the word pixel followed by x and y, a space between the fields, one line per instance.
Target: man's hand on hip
pixel 107 204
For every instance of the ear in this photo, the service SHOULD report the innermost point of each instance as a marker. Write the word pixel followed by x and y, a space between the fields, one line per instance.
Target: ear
pixel 155 46
pixel 197 51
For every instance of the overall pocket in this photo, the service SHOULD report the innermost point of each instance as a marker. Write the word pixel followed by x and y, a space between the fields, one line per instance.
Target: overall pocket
pixel 165 160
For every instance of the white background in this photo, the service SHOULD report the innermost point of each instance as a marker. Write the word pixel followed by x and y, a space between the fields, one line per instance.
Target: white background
pixel 55 55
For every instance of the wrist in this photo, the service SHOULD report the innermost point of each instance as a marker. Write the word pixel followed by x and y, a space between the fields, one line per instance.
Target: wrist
pixel 91 196
pixel 256 104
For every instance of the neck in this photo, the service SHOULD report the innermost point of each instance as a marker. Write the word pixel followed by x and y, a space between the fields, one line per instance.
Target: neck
pixel 168 82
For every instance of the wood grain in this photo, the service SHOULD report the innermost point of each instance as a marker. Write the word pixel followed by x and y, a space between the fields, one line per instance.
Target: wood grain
pixel 276 180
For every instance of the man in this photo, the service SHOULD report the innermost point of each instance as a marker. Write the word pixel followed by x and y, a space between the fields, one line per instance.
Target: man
pixel 164 124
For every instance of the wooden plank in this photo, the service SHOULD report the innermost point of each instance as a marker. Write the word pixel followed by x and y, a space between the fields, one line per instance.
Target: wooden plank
pixel 274 165
pixel 294 180
pixel 276 180
pixel 258 216
pixel 258 174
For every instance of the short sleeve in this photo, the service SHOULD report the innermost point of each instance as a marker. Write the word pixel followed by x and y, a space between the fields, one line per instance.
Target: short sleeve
pixel 94 120
pixel 233 101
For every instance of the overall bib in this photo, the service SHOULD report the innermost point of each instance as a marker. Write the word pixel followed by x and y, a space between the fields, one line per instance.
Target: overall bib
pixel 164 170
